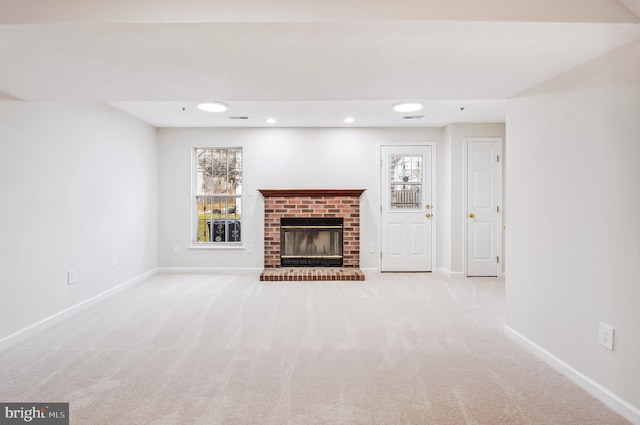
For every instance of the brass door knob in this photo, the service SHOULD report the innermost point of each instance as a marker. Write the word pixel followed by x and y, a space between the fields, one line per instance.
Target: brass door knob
pixel 472 215
pixel 428 215
pixel 428 206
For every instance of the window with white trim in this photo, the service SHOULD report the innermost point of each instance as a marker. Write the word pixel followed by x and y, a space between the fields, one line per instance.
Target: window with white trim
pixel 218 196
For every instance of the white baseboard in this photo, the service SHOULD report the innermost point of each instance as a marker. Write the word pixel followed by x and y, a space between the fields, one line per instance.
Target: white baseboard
pixel 234 270
pixel 369 270
pixel 628 411
pixel 58 317
pixel 449 273
pixel 195 270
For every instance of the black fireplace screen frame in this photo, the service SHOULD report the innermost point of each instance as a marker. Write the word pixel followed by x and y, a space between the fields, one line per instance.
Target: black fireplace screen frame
pixel 295 226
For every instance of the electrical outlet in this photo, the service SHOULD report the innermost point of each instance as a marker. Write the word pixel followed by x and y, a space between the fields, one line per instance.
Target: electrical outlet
pixel 114 263
pixel 372 249
pixel 176 248
pixel 250 248
pixel 71 277
pixel 605 336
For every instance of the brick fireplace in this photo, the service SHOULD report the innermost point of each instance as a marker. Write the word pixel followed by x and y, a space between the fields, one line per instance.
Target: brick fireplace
pixel 312 203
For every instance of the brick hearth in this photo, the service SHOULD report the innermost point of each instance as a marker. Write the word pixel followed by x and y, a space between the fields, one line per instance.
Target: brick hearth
pixel 280 203
pixel 311 273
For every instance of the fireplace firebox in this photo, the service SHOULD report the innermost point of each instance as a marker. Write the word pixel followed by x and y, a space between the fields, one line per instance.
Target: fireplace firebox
pixel 311 242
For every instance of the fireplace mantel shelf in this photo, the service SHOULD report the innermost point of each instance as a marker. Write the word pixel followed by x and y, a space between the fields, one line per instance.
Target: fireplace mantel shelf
pixel 310 192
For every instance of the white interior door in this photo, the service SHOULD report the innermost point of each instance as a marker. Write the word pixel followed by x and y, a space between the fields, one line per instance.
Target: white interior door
pixel 407 210
pixel 484 197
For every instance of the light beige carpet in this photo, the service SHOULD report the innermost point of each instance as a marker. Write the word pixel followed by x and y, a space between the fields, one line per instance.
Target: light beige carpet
pixel 224 349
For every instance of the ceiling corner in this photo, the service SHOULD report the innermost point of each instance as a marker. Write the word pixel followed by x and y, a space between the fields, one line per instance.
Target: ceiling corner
pixel 632 5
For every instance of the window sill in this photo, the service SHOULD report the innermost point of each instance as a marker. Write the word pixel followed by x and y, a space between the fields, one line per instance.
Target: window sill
pixel 222 247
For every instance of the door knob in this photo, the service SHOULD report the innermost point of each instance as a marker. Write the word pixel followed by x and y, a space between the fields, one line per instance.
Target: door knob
pixel 472 215
pixel 428 215
pixel 428 206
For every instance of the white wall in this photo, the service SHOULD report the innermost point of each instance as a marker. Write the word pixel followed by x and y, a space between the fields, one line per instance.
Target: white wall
pixel 78 187
pixel 574 218
pixel 273 158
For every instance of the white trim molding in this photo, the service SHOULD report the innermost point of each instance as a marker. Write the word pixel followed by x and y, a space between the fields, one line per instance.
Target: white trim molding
pixel 196 270
pixel 369 270
pixel 625 409
pixel 449 273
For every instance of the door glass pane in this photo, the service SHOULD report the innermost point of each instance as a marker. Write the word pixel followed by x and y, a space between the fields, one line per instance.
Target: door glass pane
pixel 406 181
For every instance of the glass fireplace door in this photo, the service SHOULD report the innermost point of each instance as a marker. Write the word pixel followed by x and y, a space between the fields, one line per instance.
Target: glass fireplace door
pixel 305 243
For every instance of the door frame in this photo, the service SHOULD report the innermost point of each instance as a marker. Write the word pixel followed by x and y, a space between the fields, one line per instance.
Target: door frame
pixel 434 204
pixel 465 169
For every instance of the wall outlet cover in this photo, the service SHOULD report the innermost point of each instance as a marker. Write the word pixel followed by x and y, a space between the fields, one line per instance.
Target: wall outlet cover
pixel 71 277
pixel 605 335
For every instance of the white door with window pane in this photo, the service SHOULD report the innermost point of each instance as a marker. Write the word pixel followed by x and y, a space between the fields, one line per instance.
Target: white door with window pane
pixel 407 210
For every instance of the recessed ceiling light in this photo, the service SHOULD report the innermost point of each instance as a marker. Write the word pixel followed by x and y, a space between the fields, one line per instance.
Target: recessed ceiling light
pixel 213 106
pixel 408 106
pixel 349 120
pixel 271 121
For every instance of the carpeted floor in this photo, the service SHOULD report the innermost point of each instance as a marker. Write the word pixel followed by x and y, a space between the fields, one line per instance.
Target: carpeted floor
pixel 228 349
